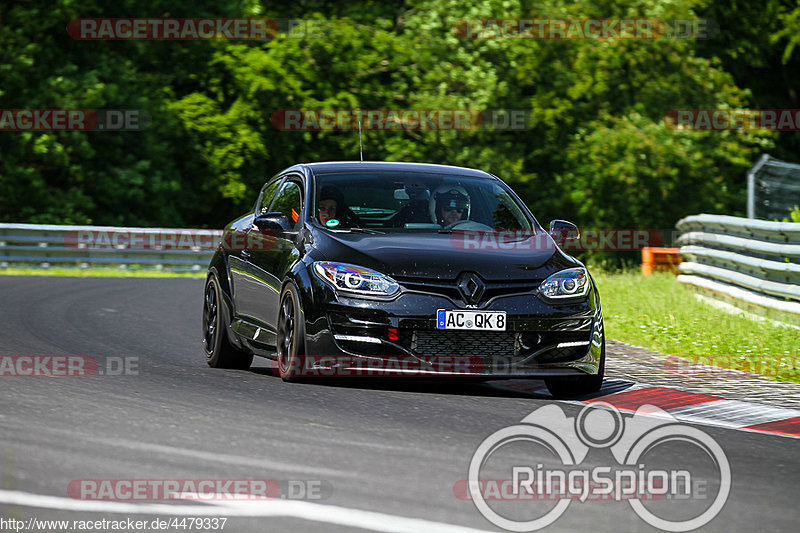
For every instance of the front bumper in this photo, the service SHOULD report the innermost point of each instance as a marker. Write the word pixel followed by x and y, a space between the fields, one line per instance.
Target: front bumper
pixel 366 337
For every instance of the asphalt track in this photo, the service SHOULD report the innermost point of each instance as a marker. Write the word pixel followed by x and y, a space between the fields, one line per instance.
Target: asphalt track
pixel 385 454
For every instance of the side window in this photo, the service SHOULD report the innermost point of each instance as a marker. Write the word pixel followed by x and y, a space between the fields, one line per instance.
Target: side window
pixel 290 202
pixel 267 194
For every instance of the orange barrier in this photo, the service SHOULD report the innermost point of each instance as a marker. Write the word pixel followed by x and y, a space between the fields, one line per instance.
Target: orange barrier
pixel 659 259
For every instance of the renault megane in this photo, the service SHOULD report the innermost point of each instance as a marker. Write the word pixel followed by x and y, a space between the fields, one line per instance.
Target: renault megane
pixel 402 269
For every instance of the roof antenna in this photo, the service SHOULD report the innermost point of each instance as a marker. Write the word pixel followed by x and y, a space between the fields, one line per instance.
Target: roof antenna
pixel 360 147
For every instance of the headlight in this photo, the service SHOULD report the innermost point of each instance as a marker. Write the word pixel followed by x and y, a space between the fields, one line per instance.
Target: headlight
pixel 571 283
pixel 352 278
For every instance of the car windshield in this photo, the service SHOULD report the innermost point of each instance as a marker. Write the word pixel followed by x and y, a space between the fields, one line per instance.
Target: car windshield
pixel 416 202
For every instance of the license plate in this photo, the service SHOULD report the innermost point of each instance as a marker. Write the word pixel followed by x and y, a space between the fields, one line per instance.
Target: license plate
pixel 483 320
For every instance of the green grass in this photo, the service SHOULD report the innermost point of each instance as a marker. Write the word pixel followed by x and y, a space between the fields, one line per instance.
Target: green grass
pixel 98 273
pixel 658 313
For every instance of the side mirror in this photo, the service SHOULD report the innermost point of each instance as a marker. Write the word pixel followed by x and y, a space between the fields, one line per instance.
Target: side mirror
pixel 563 231
pixel 277 223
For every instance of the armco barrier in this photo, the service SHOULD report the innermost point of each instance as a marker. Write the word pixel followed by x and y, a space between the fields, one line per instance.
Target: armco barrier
pixel 84 246
pixel 754 263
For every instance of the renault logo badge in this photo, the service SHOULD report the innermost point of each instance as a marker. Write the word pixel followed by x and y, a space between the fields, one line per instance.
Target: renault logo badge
pixel 471 287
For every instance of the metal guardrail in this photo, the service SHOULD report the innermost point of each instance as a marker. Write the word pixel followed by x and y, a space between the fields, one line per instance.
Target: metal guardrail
pixel 85 246
pixel 747 261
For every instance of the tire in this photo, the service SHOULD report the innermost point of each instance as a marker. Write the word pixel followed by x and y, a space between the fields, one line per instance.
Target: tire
pixel 574 386
pixel 290 341
pixel 218 350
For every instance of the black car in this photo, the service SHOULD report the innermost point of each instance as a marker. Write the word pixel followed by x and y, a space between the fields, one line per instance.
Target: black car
pixel 401 269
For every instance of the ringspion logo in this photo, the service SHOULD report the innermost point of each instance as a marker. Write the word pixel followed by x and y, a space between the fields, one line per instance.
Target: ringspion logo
pixel 646 448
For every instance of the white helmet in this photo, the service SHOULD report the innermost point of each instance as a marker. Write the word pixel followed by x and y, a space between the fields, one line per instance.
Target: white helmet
pixel 449 196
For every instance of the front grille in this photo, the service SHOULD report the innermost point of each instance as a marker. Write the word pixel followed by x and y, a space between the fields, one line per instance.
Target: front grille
pixel 526 348
pixel 449 288
pixel 463 343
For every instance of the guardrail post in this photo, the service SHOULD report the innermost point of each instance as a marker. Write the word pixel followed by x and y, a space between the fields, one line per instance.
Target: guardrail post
pixel 751 185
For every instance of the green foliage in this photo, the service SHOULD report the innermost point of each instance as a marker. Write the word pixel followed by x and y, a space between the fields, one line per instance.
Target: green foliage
pixel 757 46
pixel 597 151
pixel 790 31
pixel 628 172
pixel 794 215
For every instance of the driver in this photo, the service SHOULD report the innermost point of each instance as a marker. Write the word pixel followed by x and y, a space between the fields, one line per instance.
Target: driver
pixel 449 204
pixel 330 202
pixel 332 211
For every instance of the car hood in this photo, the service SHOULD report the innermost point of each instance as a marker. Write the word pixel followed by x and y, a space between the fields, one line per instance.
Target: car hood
pixel 493 256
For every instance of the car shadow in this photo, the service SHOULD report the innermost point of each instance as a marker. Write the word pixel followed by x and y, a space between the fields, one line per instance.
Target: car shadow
pixel 504 388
